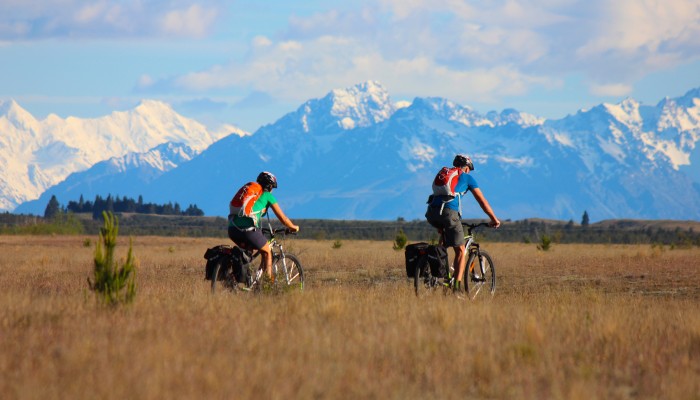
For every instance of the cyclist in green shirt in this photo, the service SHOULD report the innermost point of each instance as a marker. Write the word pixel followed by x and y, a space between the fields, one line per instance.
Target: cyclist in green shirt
pixel 246 232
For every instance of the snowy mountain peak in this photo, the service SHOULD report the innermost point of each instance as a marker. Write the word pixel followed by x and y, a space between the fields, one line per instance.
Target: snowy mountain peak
pixel 690 99
pixel 6 105
pixel 440 108
pixel 513 116
pixel 153 107
pixel 629 104
pixel 361 105
pixel 162 158
pixel 14 112
pixel 626 112
pixel 35 155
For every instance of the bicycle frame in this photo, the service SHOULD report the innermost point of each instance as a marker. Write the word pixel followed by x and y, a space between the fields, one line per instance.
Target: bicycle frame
pixel 276 251
pixel 473 247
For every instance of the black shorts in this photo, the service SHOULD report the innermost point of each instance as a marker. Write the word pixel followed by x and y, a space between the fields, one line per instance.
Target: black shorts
pixel 449 222
pixel 249 239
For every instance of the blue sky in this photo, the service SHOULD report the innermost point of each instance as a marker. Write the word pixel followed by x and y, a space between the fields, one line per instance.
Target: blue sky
pixel 249 62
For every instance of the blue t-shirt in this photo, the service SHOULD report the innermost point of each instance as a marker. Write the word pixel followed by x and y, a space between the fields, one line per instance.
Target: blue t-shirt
pixel 465 183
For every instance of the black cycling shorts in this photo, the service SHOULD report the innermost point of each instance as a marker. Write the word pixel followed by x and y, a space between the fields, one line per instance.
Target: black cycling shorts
pixel 249 239
pixel 449 222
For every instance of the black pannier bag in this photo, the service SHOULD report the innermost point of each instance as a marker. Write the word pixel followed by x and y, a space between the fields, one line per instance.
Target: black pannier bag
pixel 436 256
pixel 213 256
pixel 232 257
pixel 241 261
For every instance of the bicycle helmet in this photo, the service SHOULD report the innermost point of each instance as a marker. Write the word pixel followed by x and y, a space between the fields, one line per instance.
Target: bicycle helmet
pixel 267 181
pixel 463 161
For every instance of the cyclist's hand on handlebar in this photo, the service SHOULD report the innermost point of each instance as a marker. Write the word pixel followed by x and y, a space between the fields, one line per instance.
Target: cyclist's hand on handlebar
pixel 293 229
pixel 495 223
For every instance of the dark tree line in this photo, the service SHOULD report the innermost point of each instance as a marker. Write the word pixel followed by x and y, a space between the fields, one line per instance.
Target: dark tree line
pixel 119 205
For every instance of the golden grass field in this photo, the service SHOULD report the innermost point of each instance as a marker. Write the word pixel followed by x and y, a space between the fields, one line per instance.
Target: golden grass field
pixel 575 322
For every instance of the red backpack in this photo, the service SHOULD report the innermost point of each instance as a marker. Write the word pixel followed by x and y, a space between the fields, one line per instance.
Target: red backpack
pixel 242 203
pixel 446 180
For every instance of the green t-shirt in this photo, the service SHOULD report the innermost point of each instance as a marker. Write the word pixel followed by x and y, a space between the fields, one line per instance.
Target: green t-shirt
pixel 260 209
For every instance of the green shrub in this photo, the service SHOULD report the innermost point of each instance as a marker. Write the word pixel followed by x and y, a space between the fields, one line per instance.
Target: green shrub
pixel 112 284
pixel 545 243
pixel 400 240
pixel 337 244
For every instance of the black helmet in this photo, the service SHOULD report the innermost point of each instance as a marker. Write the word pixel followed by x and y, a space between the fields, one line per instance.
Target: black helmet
pixel 267 181
pixel 463 161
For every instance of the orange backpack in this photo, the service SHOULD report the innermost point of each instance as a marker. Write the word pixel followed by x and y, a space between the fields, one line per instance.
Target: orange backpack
pixel 242 203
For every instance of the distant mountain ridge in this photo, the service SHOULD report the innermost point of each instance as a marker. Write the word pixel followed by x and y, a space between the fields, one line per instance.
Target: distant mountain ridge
pixel 116 176
pixel 35 155
pixel 354 154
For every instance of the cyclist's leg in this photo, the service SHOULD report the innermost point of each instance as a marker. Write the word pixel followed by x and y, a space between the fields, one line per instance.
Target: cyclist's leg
pixel 460 262
pixel 266 259
pixel 253 240
pixel 453 236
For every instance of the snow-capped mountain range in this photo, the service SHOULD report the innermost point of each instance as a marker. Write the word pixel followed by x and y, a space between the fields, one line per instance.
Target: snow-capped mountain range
pixel 355 154
pixel 36 155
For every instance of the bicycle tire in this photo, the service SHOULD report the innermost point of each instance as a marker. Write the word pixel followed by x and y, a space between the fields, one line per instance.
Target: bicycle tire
pixel 473 287
pixel 220 276
pixel 294 276
pixel 422 276
pixel 216 275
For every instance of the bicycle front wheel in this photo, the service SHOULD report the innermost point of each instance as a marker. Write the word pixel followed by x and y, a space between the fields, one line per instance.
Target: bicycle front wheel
pixel 288 271
pixel 480 275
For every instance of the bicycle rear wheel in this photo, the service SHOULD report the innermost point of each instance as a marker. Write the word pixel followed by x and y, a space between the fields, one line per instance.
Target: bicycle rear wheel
pixel 475 281
pixel 422 278
pixel 288 271
pixel 223 275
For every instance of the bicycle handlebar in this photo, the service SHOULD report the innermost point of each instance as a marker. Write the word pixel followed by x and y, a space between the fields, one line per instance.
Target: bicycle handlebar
pixel 278 231
pixel 471 227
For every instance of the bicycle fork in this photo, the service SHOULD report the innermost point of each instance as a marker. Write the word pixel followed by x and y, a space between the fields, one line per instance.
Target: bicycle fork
pixel 480 258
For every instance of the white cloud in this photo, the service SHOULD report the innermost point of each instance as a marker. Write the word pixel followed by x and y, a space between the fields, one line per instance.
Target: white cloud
pixel 295 71
pixel 615 89
pixel 145 81
pixel 261 41
pixel 632 26
pixel 194 21
pixel 468 51
pixel 72 19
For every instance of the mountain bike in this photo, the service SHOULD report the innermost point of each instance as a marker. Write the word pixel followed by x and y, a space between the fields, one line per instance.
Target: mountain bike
pixel 234 268
pixel 480 270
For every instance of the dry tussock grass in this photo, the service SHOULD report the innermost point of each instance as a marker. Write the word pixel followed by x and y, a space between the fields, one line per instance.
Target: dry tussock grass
pixel 577 322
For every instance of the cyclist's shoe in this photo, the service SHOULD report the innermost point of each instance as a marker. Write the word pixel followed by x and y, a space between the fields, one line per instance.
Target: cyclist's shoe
pixel 457 290
pixel 448 281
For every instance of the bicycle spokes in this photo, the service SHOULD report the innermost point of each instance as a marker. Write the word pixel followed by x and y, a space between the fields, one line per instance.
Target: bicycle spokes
pixel 482 274
pixel 290 273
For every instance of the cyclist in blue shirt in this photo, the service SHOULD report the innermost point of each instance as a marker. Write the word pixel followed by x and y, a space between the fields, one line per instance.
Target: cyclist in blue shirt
pixel 445 214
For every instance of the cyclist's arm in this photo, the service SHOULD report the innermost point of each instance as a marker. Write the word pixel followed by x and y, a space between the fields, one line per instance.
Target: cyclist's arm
pixel 484 204
pixel 283 218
